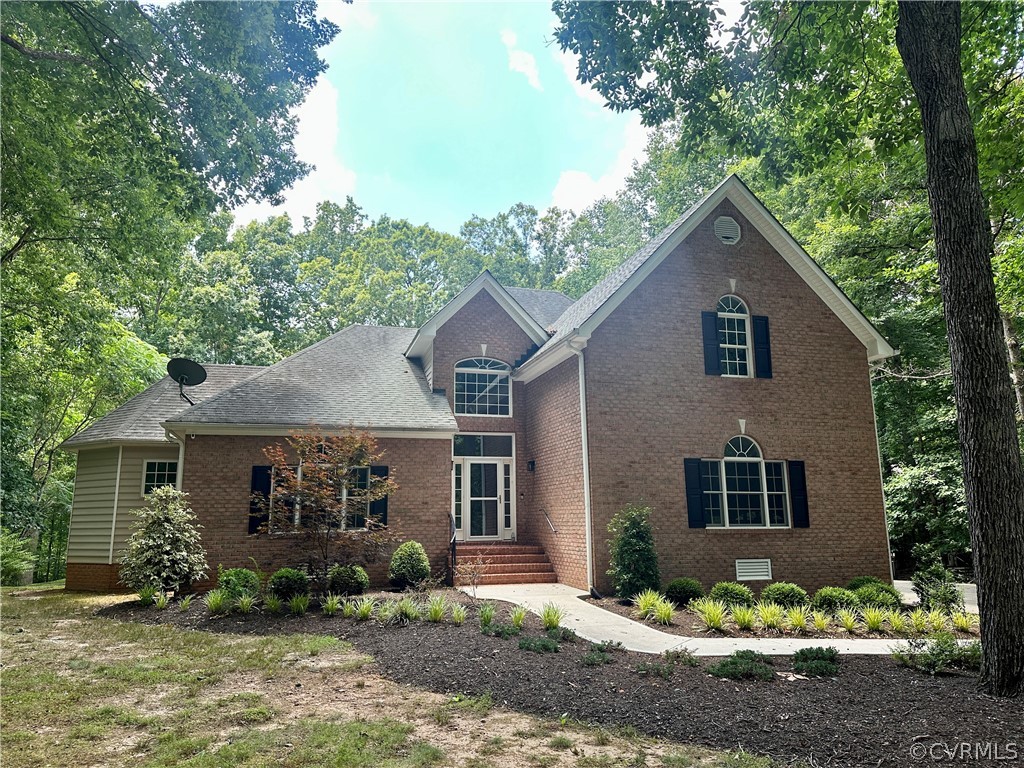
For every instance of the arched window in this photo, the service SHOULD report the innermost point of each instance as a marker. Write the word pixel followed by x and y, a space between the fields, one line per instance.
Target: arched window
pixel 482 387
pixel 733 336
pixel 742 490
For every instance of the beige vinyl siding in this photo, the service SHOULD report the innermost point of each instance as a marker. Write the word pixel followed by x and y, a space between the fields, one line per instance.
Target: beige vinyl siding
pixel 92 510
pixel 130 495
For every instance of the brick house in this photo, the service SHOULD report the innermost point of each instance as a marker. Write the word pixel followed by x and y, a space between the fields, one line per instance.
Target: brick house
pixel 718 375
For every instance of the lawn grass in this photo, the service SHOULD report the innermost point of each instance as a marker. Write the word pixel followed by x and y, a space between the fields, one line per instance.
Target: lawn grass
pixel 79 689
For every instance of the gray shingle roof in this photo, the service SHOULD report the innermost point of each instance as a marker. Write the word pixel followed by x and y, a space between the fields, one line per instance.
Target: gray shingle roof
pixel 357 377
pixel 543 306
pixel 139 419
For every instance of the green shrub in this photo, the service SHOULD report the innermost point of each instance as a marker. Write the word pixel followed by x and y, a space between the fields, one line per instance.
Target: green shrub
pixel 217 601
pixel 238 581
pixel 683 591
pixel 538 645
pixel 682 657
pixel 744 665
pixel 147 596
pixel 15 559
pixel 287 583
pixel 299 604
pixel 816 653
pixel 816 662
pixel 551 616
pixel 561 634
pixel 937 590
pixel 940 654
pixel 331 604
pixel 634 561
pixel 504 631
pixel 817 669
pixel 658 668
pixel 863 581
pixel 409 565
pixel 785 594
pixel 879 595
pixel 831 599
pixel 163 550
pixel 347 580
pixel 732 593
pixel 595 657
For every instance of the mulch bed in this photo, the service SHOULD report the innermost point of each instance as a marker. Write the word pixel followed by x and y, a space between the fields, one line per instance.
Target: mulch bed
pixel 874 714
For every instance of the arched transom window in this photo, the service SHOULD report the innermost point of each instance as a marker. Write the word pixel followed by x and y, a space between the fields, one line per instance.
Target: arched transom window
pixel 742 490
pixel 733 336
pixel 482 387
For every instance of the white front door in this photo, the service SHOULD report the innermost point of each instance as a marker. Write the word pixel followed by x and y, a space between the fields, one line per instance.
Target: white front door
pixel 483 499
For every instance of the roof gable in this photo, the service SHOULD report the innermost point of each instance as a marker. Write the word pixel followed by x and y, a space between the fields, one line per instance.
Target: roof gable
pixel 421 342
pixel 578 322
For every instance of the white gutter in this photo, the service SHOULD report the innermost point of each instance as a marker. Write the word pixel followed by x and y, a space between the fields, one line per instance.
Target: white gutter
pixel 881 477
pixel 577 344
pixel 181 457
pixel 113 520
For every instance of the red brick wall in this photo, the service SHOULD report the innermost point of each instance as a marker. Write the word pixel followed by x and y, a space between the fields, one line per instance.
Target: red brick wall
pixel 93 577
pixel 556 484
pixel 650 405
pixel 218 475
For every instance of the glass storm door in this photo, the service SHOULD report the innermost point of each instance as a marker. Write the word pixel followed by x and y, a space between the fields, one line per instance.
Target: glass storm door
pixel 484 498
pixel 483 507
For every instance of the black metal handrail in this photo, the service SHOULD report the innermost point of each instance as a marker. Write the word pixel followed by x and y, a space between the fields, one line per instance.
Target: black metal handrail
pixel 452 553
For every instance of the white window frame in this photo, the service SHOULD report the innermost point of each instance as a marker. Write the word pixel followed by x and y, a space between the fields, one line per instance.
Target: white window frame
pixel 297 510
pixel 747 333
pixel 145 471
pixel 723 494
pixel 507 373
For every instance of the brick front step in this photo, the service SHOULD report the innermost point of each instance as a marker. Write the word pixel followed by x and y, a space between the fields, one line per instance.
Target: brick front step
pixel 515 578
pixel 500 559
pixel 505 563
pixel 499 549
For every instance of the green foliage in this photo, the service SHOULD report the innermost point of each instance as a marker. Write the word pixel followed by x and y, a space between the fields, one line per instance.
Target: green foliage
pixel 273 603
pixel 406 610
pixel 940 654
pixel 822 621
pixel 770 615
pixel 634 561
pixel 936 588
pixel 186 603
pixel 831 599
pixel 874 618
pixel 848 619
pixel 15 558
pixel 348 609
pixel 732 593
pixel 785 594
pixel 298 604
pixel 664 612
pixel 147 596
pixel 925 505
pixel 682 591
pixel 538 644
pixel 712 612
pixel 816 662
pixel 245 603
pixel 657 668
pixel 646 602
pixel 286 583
pixel 217 601
pixel 879 595
pixel 163 550
pixel 595 657
pixel 683 657
pixel 365 607
pixel 964 622
pixel 238 581
pixel 458 614
pixel 551 616
pixel 517 616
pixel 331 604
pixel 938 620
pixel 919 620
pixel 798 618
pixel 504 631
pixel 162 601
pixel 437 609
pixel 409 565
pixel 486 615
pixel 744 665
pixel 897 621
pixel 744 616
pixel 862 581
pixel 347 580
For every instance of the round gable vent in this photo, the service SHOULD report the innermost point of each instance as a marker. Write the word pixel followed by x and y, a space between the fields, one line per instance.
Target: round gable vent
pixel 727 230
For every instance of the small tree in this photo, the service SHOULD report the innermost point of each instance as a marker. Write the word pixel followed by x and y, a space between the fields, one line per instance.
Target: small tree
pixel 163 551
pixel 322 487
pixel 634 561
pixel 15 559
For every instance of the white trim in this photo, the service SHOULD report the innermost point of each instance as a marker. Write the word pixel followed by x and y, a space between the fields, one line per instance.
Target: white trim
pixel 733 189
pixel 507 373
pixel 278 430
pixel 723 494
pixel 585 445
pixel 116 444
pixel 424 338
pixel 748 334
pixel 181 457
pixel 113 519
pixel 462 532
pixel 177 472
pixel 881 482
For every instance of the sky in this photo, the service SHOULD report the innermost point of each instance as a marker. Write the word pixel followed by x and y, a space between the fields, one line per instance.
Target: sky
pixel 434 112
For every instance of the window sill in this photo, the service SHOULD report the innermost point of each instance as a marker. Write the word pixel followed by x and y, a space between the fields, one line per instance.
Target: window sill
pixel 748 528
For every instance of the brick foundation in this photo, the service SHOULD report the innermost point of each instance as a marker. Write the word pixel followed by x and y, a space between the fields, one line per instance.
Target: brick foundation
pixel 92 577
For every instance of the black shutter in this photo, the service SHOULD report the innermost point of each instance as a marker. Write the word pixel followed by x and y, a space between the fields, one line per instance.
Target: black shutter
pixel 762 347
pixel 694 494
pixel 709 326
pixel 798 494
pixel 259 515
pixel 379 508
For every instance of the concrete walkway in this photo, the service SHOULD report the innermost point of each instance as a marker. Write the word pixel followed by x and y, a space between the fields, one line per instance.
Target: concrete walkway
pixel 597 625
pixel 970 592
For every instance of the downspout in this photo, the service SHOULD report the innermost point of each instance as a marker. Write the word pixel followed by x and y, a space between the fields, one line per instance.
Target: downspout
pixel 117 492
pixel 881 481
pixel 181 457
pixel 577 344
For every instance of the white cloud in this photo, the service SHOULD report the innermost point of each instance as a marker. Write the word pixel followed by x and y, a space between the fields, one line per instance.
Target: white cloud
pixel 521 61
pixel 569 62
pixel 345 15
pixel 578 190
pixel 315 143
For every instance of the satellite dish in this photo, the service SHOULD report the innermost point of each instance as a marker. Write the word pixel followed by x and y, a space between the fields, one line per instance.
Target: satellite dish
pixel 188 373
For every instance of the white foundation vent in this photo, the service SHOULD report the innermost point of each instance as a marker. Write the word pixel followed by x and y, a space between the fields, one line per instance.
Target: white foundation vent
pixel 754 570
pixel 727 229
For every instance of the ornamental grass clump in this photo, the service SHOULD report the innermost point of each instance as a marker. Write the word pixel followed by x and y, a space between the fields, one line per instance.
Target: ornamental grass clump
pixel 273 603
pixel 437 609
pixel 919 621
pixel 551 616
pixel 331 604
pixel 712 612
pixel 874 618
pixel 821 620
pixel 365 608
pixel 217 601
pixel 770 615
pixel 162 601
pixel 348 609
pixel 634 560
pixel 664 612
pixel 744 616
pixel 298 604
pixel 485 615
pixel 147 596
pixel 186 603
pixel 406 610
pixel 962 622
pixel 517 616
pixel 847 619
pixel 937 620
pixel 897 621
pixel 458 614
pixel 798 618
pixel 646 602
pixel 245 603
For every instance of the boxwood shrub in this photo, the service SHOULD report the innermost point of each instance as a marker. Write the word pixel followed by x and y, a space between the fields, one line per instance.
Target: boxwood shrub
pixel 831 599
pixel 682 591
pixel 238 582
pixel 862 581
pixel 732 593
pixel 785 594
pixel 287 583
pixel 882 595
pixel 409 565
pixel 347 580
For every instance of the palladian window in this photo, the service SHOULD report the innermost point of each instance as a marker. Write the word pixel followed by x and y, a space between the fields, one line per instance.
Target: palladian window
pixel 744 490
pixel 733 336
pixel 483 387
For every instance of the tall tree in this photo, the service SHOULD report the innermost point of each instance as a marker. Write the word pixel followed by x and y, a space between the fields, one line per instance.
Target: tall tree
pixel 800 83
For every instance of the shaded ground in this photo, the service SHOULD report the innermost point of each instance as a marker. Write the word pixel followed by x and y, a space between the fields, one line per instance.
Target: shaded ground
pixel 873 714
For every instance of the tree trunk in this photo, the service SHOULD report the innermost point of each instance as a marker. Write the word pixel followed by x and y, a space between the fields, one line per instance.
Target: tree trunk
pixel 1016 366
pixel 928 39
